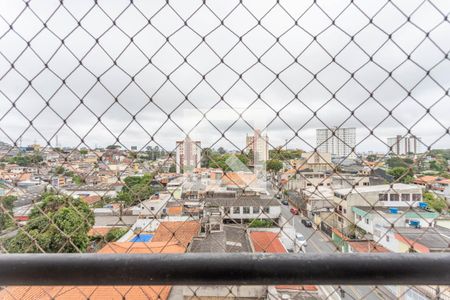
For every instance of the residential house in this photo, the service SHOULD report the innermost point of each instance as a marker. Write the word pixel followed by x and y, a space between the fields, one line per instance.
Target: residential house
pixel 395 195
pixel 244 208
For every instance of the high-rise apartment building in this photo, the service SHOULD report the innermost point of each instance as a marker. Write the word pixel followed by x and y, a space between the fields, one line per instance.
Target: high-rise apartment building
pixel 402 145
pixel 258 144
pixel 337 141
pixel 189 155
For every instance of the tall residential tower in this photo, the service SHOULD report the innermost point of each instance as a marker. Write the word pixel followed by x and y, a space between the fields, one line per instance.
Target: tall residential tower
pixel 337 141
pixel 189 155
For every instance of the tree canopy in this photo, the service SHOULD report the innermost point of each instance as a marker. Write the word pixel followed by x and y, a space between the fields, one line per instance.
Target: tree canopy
pixel 274 165
pixel 58 224
pixel 401 174
pixel 435 202
pixel 136 189
pixel 6 206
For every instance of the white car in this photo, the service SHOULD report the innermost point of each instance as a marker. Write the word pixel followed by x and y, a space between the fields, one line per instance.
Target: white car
pixel 300 240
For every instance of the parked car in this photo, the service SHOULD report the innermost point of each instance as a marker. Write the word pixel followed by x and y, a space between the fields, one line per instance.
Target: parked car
pixel 278 196
pixel 294 211
pixel 300 240
pixel 285 202
pixel 307 223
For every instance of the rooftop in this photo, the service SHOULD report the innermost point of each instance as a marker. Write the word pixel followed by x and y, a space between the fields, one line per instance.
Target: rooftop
pixel 178 232
pixel 99 292
pixel 267 242
pixel 434 238
pixel 378 188
pixel 400 210
pixel 367 247
pixel 242 201
pixel 232 239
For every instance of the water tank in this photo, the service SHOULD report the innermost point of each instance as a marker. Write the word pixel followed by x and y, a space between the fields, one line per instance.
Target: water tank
pixel 423 205
pixel 414 223
pixel 393 210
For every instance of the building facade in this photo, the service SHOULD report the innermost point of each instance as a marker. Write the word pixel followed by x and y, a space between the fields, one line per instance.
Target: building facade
pixel 258 144
pixel 189 155
pixel 402 145
pixel 337 141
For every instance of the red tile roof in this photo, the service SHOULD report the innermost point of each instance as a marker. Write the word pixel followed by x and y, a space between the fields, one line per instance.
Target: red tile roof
pixel 268 242
pixel 367 246
pixel 179 232
pixel 100 292
pixel 92 199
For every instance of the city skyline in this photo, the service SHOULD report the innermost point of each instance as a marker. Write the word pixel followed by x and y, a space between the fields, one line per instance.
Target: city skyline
pixel 388 93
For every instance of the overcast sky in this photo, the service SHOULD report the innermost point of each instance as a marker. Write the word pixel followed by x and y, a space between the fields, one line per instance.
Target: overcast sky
pixel 196 62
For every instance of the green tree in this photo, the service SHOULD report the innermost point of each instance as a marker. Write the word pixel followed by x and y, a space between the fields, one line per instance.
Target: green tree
pixel 83 151
pixel 274 165
pixel 395 162
pixel 136 189
pixel 6 206
pixel 59 170
pixel 437 166
pixel 401 174
pixel 261 223
pixel 113 147
pixel 435 202
pixel 58 224
pixel 115 234
pixel 372 158
pixel 78 180
pixel 221 150
pixel 281 154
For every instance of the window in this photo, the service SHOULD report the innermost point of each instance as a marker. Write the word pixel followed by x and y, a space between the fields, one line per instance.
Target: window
pixel 387 238
pixel 394 197
pixel 417 197
pixel 367 221
pixel 246 210
pixel 359 218
pixel 340 220
pixel 366 183
pixel 152 208
pixel 383 197
pixel 227 210
pixel 406 197
pixel 236 210
pixel 345 211
pixel 266 210
pixel 256 209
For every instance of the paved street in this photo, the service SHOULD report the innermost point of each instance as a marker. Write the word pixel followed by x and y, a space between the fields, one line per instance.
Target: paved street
pixel 318 242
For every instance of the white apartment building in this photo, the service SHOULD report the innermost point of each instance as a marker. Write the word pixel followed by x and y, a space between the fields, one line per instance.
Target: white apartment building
pixel 258 143
pixel 337 141
pixel 402 145
pixel 398 196
pixel 189 155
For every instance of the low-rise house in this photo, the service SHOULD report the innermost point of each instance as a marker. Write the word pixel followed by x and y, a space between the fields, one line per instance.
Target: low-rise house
pixel 433 182
pixel 246 208
pixel 92 190
pixel 409 239
pixel 395 195
pixel 369 218
pixel 304 179
pixel 316 203
pixel 155 207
